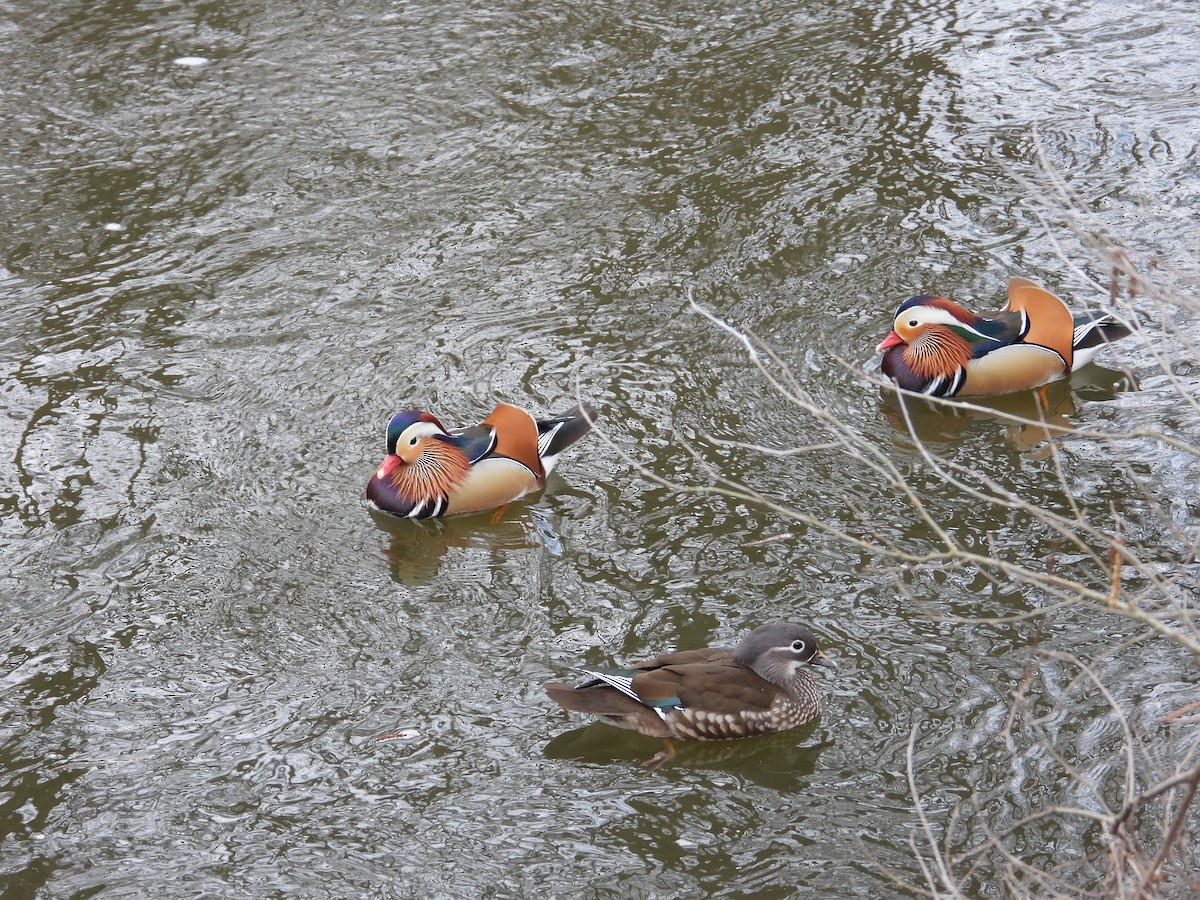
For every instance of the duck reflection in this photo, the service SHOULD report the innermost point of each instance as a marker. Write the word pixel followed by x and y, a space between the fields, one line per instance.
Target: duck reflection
pixel 416 550
pixel 775 761
pixel 1049 408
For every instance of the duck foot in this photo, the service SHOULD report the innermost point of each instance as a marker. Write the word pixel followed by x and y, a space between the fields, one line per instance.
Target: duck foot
pixel 663 756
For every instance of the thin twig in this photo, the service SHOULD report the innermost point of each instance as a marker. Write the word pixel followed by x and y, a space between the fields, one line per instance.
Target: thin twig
pixel 947 882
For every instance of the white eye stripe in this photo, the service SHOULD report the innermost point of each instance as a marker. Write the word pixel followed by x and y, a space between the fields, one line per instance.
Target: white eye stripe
pixel 932 315
pixel 415 432
pixel 928 315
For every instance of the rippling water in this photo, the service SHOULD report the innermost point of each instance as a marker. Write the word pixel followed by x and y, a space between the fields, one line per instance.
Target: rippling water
pixel 240 234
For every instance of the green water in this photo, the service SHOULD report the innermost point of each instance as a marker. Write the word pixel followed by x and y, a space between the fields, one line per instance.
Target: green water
pixel 220 279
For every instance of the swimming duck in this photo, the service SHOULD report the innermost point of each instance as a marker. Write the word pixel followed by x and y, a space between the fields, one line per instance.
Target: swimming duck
pixel 939 348
pixel 430 471
pixel 760 686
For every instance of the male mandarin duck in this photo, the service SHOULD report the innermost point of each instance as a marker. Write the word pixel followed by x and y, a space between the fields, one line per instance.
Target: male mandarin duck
pixel 430 471
pixel 937 347
pixel 761 686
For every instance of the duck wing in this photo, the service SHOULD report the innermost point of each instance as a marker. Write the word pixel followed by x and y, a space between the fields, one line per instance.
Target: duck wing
pixel 1049 322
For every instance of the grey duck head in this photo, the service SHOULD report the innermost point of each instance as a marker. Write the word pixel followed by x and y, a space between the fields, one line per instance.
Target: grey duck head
pixel 779 652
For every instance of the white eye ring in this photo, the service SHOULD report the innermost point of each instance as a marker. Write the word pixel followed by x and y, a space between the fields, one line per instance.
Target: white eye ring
pixel 798 646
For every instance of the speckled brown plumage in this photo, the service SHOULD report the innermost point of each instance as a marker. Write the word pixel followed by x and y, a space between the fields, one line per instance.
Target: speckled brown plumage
pixel 716 693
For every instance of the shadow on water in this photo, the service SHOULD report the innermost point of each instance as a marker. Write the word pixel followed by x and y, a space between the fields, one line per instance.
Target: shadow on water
pixel 42 773
pixel 416 551
pixel 1055 406
pixel 774 761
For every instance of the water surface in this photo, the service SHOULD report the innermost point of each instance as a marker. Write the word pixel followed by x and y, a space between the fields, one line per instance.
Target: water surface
pixel 239 235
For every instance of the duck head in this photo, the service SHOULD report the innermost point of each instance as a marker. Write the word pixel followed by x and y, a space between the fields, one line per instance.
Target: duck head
pixel 932 338
pixel 421 469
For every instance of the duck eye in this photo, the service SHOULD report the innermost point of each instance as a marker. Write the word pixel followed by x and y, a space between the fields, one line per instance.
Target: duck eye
pixel 912 323
pixel 797 646
pixel 412 442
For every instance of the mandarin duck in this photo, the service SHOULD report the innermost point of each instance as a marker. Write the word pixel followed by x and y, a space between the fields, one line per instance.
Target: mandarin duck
pixel 761 686
pixel 937 347
pixel 430 471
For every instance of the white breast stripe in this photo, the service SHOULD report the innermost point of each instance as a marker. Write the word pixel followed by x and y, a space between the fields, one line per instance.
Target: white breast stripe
pixel 959 376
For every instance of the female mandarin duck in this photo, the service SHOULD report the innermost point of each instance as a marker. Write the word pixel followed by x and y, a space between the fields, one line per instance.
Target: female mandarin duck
pixel 761 686
pixel 430 471
pixel 939 348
